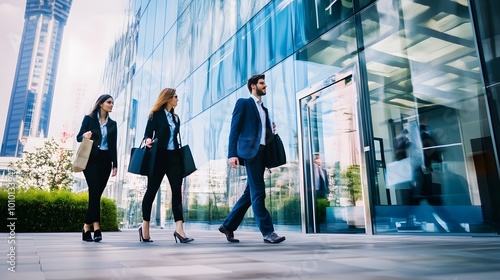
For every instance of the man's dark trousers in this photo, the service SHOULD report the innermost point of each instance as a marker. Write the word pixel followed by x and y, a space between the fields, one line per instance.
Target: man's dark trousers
pixel 254 195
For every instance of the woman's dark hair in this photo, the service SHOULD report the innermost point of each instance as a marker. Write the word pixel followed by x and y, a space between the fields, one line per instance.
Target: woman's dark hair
pixel 98 103
pixel 254 80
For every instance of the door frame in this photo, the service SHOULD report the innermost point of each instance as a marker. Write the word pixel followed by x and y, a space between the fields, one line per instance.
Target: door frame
pixel 324 83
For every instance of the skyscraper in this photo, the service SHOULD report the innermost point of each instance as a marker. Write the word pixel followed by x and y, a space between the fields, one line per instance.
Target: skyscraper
pixel 35 76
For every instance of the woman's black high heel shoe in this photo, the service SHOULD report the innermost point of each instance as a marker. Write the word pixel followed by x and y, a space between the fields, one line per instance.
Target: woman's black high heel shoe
pixel 86 236
pixel 182 239
pixel 142 239
pixel 97 235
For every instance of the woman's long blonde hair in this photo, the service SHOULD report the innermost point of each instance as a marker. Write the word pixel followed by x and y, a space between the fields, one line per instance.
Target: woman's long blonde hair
pixel 165 95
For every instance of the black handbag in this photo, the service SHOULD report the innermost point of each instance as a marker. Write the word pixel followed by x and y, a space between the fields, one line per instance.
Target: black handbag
pixel 275 153
pixel 187 160
pixel 139 160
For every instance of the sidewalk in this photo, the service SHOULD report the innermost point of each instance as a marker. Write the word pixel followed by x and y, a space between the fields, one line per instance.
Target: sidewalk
pixel 326 256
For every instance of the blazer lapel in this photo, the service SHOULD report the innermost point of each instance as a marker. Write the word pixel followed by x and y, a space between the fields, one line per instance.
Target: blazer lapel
pixel 110 127
pixel 163 118
pixel 269 130
pixel 96 132
pixel 254 106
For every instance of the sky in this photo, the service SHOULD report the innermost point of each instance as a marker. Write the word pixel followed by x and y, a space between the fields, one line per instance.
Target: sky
pixel 91 29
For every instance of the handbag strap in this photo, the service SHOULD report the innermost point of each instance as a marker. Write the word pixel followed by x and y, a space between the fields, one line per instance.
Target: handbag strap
pixel 179 135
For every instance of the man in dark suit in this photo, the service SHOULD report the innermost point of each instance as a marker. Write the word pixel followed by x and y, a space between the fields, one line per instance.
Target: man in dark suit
pixel 250 132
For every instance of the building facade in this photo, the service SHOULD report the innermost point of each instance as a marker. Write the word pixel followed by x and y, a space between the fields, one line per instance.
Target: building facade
pixel 388 109
pixel 34 81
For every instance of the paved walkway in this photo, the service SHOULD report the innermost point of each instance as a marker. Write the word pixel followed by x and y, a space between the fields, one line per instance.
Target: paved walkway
pixel 210 256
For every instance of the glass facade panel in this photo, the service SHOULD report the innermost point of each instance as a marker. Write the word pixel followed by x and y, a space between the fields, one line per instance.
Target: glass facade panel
pixel 169 59
pixel 143 30
pixel 247 9
pixel 314 17
pixel 202 97
pixel 224 22
pixel 155 70
pixel 159 20
pixel 148 19
pixel 240 53
pixel 170 14
pixel 268 37
pixel 182 5
pixel 221 77
pixel 360 4
pixel 201 12
pixel 487 23
pixel 413 68
pixel 141 92
pixel 282 31
pixel 283 187
pixel 329 54
pixel 332 157
pixel 186 95
pixel 259 42
pixel 198 195
pixel 429 117
pixel 183 45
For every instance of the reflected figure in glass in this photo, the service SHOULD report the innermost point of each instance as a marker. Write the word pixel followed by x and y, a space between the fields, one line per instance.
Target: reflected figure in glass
pixel 320 178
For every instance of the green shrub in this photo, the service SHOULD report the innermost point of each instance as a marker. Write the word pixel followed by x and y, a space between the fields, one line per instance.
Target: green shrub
pixel 199 212
pixel 56 211
pixel 291 211
pixel 321 205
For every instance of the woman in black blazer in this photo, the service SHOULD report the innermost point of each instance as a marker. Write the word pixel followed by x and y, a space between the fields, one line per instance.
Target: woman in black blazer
pixel 163 129
pixel 100 128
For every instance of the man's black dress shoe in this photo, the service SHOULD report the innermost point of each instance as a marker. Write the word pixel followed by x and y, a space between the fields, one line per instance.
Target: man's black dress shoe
pixel 274 238
pixel 229 234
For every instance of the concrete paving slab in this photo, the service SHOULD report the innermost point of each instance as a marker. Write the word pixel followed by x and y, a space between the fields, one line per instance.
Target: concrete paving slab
pixel 324 256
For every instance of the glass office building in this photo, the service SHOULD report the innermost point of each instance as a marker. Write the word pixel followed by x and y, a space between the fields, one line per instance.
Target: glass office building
pixel 35 76
pixel 388 109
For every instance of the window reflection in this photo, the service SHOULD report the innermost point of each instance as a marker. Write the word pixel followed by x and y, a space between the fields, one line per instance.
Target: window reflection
pixel 314 17
pixel 203 98
pixel 201 33
pixel 221 75
pixel 247 9
pixel 224 22
pixel 159 7
pixel 486 12
pixel 282 183
pixel 424 90
pixel 429 114
pixel 183 45
pixel 332 161
pixel 186 100
pixel 170 14
pixel 329 54
pixel 169 58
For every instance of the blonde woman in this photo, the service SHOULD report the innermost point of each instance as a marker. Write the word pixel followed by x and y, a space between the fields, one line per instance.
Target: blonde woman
pixel 164 124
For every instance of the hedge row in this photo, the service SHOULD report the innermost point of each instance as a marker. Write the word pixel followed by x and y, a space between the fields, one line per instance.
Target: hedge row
pixel 55 211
